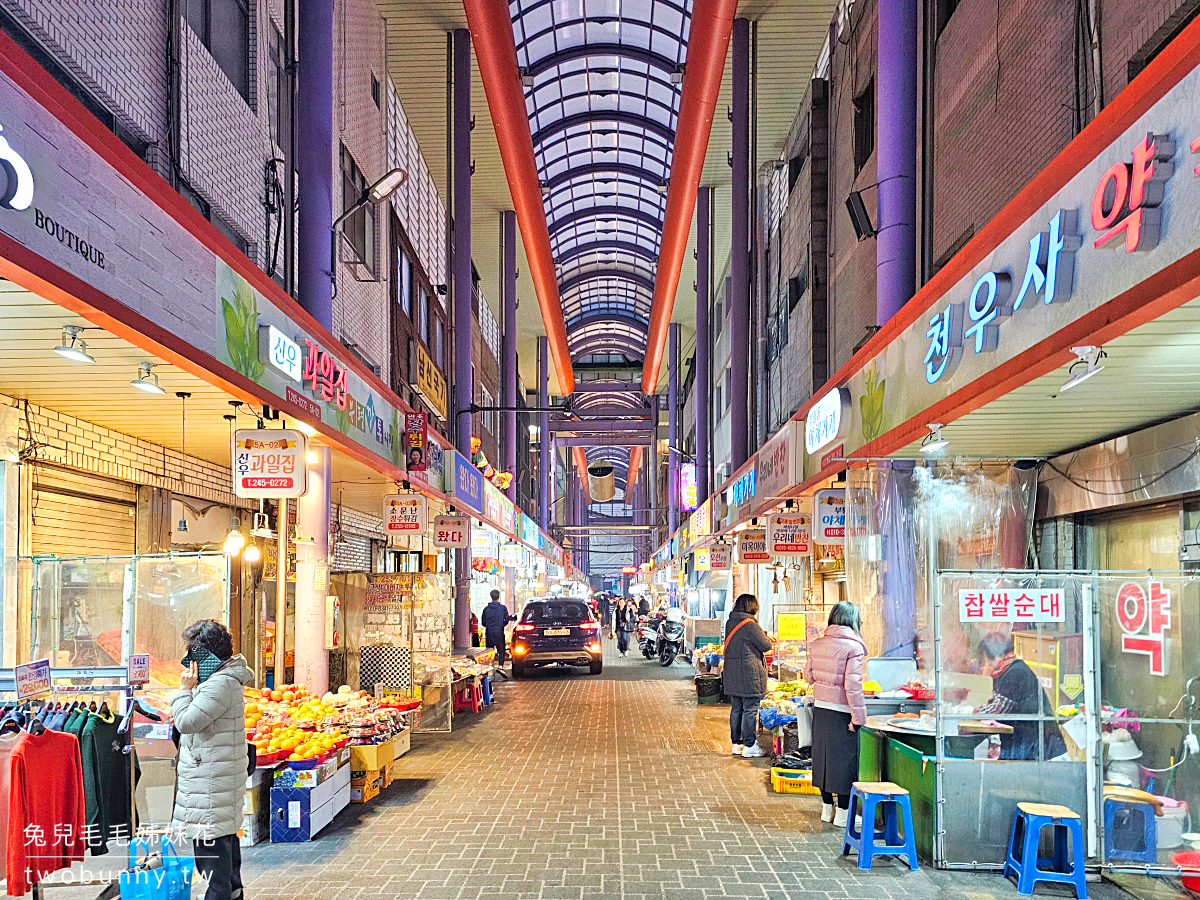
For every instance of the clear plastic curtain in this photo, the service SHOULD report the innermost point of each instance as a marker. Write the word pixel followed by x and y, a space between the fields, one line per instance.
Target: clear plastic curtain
pixel 976 516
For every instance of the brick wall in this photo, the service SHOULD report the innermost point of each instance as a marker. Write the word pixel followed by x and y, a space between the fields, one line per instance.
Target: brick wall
pixel 851 262
pixel 116 49
pixel 1004 107
pixel 360 310
pixel 82 445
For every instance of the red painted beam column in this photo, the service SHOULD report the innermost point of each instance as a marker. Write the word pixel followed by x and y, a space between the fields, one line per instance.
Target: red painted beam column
pixel 708 45
pixel 496 56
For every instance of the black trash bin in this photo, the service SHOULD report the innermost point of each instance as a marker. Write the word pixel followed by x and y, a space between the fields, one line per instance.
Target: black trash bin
pixel 708 689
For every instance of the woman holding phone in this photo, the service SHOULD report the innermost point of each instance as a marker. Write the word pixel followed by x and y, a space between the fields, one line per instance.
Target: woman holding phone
pixel 209 715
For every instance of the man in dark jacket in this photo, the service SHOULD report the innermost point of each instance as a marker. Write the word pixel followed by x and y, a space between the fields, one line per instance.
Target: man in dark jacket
pixel 625 620
pixel 744 674
pixel 495 617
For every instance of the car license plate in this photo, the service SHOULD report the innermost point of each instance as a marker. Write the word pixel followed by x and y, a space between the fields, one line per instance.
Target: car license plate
pixel 557 632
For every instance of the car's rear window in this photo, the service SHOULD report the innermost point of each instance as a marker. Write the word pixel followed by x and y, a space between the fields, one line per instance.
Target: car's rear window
pixel 566 612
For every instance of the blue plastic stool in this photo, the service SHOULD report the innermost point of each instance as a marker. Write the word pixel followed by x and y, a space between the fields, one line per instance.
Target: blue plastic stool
pixel 1023 860
pixel 486 684
pixel 894 800
pixel 1121 839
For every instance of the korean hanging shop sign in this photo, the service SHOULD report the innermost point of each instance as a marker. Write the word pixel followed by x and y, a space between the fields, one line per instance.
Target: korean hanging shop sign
pixel 1126 215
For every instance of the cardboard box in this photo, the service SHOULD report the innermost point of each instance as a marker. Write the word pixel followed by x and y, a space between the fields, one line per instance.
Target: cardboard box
pixel 256 827
pixel 257 798
pixel 343 756
pixel 298 814
pixel 306 778
pixel 373 757
pixel 385 775
pixel 260 775
pixel 401 743
pixel 366 790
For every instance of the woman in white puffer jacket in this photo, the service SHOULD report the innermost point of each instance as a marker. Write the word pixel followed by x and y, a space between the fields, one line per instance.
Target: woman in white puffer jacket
pixel 209 714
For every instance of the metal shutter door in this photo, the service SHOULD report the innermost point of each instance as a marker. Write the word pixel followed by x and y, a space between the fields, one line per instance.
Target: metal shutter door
pixel 78 515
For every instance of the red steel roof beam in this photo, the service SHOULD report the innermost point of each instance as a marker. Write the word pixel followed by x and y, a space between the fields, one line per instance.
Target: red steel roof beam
pixel 708 45
pixel 496 55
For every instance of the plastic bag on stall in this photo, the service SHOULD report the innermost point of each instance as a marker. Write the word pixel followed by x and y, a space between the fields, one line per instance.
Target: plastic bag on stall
pixel 772 718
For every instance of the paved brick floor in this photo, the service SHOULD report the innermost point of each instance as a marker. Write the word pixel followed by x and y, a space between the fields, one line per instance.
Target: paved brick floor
pixel 572 787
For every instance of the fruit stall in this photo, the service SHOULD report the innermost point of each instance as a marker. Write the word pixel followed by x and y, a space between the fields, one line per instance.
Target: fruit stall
pixel 316 755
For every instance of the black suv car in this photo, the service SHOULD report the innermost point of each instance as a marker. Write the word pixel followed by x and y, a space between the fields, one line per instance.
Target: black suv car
pixel 554 631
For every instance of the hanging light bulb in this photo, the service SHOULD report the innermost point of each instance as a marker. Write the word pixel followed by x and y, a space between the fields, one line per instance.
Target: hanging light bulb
pixel 235 540
pixel 252 554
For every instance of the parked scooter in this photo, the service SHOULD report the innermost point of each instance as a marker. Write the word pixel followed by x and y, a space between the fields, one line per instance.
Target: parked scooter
pixel 662 636
pixel 670 637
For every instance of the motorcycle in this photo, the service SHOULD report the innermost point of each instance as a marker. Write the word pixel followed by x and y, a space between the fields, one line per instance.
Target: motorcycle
pixel 662 637
pixel 647 637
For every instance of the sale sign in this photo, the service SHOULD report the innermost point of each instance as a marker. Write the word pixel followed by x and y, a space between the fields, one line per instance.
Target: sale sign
pixel 1145 621
pixel 137 668
pixel 789 534
pixel 752 547
pixel 268 463
pixel 1014 605
pixel 452 531
pixel 405 514
pixel 33 678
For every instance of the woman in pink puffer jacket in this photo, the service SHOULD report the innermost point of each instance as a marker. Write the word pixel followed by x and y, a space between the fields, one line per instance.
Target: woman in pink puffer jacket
pixel 834 672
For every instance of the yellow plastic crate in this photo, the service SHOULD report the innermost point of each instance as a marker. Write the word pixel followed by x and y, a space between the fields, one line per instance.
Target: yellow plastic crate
pixel 792 781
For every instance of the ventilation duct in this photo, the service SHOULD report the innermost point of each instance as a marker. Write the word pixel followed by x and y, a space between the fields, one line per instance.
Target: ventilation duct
pixel 602 483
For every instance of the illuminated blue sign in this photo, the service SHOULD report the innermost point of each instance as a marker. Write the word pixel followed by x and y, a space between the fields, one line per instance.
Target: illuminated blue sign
pixel 468 483
pixel 742 490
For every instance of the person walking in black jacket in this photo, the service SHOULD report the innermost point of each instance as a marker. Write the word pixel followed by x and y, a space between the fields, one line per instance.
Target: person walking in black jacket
pixel 495 617
pixel 626 622
pixel 744 674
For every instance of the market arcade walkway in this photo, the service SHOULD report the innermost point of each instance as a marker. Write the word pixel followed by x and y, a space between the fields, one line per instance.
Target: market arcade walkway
pixel 587 788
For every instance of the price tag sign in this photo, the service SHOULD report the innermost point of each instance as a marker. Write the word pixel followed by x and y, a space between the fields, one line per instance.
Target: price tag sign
pixel 791 626
pixel 405 514
pixel 33 678
pixel 137 668
pixel 452 531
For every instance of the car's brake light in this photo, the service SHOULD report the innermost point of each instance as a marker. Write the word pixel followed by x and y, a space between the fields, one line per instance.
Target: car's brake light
pixel 590 626
pixel 520 649
pixel 524 626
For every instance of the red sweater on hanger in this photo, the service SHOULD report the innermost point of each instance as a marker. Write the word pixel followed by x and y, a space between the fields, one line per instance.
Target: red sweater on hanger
pixel 45 808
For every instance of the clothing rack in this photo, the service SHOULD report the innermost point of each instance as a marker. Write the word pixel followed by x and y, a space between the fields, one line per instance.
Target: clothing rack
pixel 8 685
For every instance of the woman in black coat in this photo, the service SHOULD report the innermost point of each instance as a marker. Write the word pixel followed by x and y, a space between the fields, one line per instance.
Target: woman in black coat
pixel 744 674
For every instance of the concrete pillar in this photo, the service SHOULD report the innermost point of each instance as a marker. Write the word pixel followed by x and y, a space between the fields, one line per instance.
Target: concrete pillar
pixel 673 428
pixel 314 157
pixel 508 350
pixel 739 253
pixel 462 305
pixel 703 381
pixel 544 498
pixel 896 158
pixel 312 574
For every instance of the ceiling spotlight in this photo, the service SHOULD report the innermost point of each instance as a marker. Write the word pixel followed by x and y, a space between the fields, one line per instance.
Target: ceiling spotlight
pixel 662 187
pixel 147 381
pixel 527 80
pixel 933 442
pixel 677 76
pixel 1089 359
pixel 71 347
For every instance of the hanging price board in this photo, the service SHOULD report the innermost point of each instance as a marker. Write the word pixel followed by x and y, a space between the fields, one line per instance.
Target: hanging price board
pixel 33 678
pixel 452 531
pixel 405 514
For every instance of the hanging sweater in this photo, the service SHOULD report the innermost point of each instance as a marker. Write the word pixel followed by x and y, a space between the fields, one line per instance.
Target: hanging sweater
pixel 105 782
pixel 45 808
